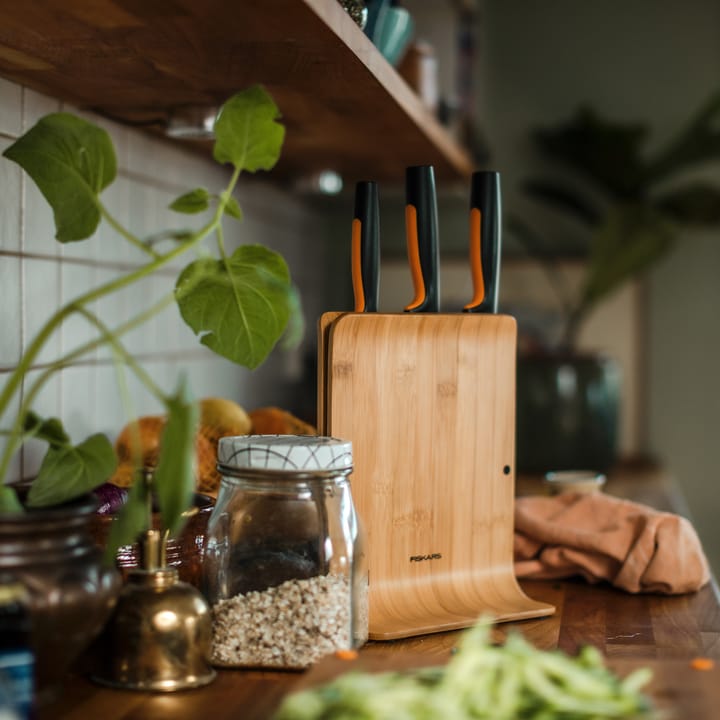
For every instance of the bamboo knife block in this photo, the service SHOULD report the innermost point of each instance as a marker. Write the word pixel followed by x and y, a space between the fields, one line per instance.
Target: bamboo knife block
pixel 428 401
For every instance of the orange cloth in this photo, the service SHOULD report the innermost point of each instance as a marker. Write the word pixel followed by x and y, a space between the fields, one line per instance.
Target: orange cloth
pixel 601 537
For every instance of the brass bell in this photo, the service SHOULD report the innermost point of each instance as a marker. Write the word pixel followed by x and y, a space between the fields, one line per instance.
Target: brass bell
pixel 160 635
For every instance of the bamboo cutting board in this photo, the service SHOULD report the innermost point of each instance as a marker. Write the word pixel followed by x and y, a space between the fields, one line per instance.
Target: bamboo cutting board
pixel 428 401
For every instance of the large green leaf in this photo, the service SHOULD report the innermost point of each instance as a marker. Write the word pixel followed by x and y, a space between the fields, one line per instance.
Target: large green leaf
pixel 605 152
pixel 71 161
pixel 564 198
pixel 696 144
pixel 174 477
pixel 631 239
pixel 545 247
pixel 238 306
pixel 696 204
pixel 246 132
pixel 70 471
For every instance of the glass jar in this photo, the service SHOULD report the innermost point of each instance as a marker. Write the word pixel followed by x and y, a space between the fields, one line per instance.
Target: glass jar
pixel 284 568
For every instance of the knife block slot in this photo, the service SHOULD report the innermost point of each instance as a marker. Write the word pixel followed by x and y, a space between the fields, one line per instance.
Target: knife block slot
pixel 428 401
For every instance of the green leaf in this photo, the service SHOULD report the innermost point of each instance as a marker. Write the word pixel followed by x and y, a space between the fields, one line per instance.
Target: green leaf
pixel 232 208
pixel 545 248
pixel 133 519
pixel 71 161
pixel 70 471
pixel 50 430
pixel 246 132
pixel 603 151
pixel 9 501
pixel 238 306
pixel 192 202
pixel 632 238
pixel 561 197
pixel 697 204
pixel 181 235
pixel 174 477
pixel 696 144
pixel 296 324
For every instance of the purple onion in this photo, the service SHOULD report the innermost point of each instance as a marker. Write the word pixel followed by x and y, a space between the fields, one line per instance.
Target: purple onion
pixel 111 498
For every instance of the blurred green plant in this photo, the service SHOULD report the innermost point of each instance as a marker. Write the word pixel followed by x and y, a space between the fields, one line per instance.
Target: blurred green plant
pixel 238 304
pixel 627 208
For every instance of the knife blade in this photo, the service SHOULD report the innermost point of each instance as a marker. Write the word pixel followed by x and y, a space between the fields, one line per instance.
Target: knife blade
pixel 421 231
pixel 365 247
pixel 485 241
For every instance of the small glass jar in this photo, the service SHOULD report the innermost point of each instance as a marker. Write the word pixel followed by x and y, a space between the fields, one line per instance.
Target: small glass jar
pixel 284 569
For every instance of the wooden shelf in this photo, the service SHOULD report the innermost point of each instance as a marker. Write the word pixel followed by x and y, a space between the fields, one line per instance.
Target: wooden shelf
pixel 343 105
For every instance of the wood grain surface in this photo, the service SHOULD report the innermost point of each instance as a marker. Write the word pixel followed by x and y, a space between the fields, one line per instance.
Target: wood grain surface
pixel 662 632
pixel 428 401
pixel 344 106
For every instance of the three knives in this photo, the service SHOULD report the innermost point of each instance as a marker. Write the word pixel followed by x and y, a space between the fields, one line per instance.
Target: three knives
pixel 421 230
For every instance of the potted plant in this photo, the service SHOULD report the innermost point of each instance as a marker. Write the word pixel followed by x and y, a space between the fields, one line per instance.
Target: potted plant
pixel 239 304
pixel 624 210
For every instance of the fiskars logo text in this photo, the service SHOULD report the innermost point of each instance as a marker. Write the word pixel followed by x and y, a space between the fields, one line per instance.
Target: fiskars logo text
pixel 420 558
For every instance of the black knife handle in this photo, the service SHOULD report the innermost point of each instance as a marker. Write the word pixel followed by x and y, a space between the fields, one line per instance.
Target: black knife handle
pixel 485 241
pixel 421 230
pixel 366 247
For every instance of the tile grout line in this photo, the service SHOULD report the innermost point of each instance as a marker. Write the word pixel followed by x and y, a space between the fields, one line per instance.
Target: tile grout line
pixel 23 266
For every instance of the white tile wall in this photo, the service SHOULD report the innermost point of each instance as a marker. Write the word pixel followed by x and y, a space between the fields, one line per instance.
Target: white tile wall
pixel 37 275
pixel 10 108
pixel 10 312
pixel 46 403
pixel 10 216
pixel 41 288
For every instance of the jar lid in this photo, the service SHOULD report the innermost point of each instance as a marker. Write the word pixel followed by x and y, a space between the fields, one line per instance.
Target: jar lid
pixel 291 453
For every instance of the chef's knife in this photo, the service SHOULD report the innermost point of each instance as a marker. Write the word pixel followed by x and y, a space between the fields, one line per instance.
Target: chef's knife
pixel 485 241
pixel 421 229
pixel 365 247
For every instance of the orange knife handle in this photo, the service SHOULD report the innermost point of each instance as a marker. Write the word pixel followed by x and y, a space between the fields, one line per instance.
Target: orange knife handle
pixel 485 241
pixel 356 262
pixel 413 252
pixel 421 230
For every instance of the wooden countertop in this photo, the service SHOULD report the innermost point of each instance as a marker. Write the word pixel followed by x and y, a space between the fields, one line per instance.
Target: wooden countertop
pixel 662 632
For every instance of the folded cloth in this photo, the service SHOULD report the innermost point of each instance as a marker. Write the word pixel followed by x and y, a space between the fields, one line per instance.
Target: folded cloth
pixel 601 537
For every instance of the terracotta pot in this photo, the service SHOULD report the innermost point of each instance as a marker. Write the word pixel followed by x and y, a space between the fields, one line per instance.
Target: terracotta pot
pixel 184 552
pixel 71 594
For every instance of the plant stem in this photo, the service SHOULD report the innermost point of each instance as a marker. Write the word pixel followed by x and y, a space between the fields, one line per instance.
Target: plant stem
pixel 16 434
pixel 15 379
pixel 107 336
pixel 222 202
pixel 132 239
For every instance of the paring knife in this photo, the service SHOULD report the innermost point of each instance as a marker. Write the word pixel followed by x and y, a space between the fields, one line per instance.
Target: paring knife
pixel 421 230
pixel 365 247
pixel 485 241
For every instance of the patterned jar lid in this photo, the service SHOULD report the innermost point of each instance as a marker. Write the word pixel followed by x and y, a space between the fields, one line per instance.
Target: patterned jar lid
pixel 291 453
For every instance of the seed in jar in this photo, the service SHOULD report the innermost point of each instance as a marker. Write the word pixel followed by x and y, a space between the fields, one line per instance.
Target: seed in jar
pixel 291 625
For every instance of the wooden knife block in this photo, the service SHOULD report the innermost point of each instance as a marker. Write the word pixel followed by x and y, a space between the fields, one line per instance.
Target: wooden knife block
pixel 428 401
